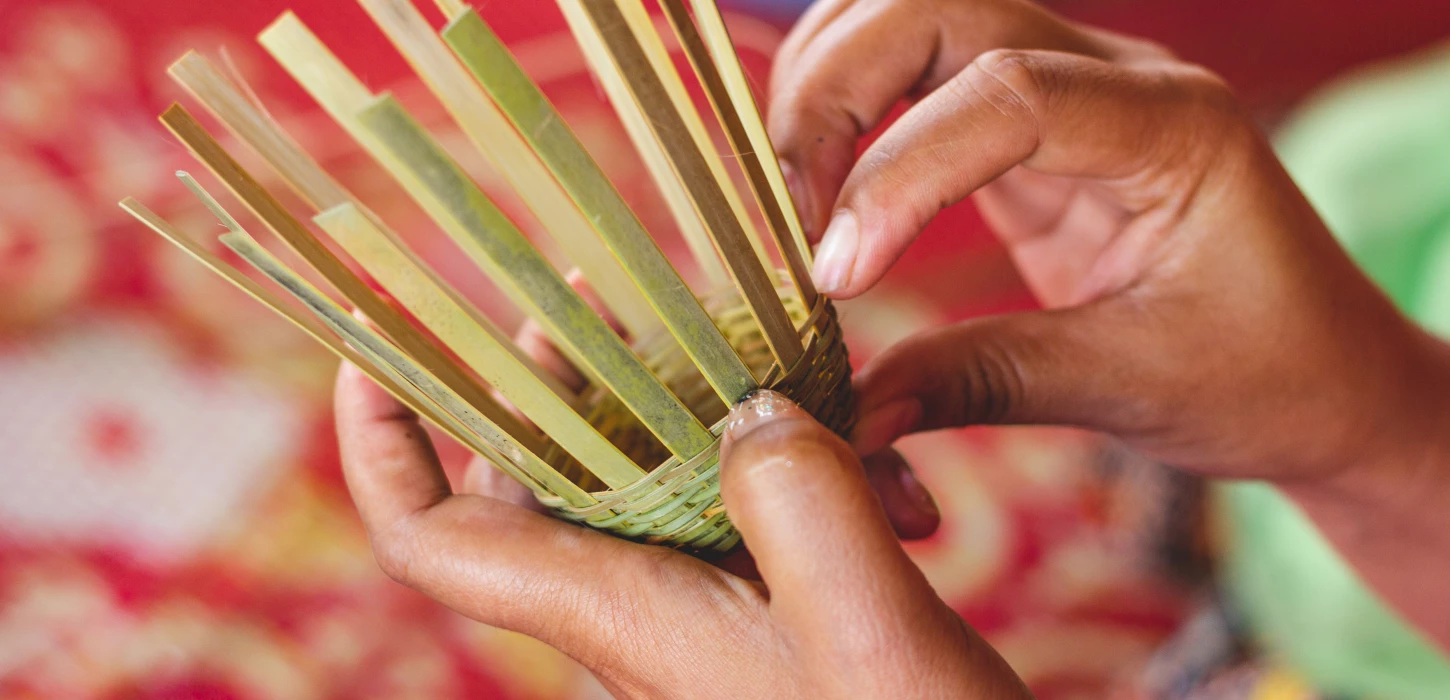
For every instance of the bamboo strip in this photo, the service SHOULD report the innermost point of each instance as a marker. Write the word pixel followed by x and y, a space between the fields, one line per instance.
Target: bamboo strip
pixel 385 376
pixel 598 24
pixel 520 99
pixel 636 124
pixel 342 96
pixel 372 344
pixel 282 223
pixel 245 119
pixel 491 133
pixel 643 26
pixel 495 244
pixel 485 355
pixel 744 129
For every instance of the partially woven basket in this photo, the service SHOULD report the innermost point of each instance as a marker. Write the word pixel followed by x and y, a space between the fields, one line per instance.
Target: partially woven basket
pixel 636 454
pixel 678 503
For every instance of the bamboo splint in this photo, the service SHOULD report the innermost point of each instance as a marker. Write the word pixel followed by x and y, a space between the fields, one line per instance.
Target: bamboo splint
pixel 637 452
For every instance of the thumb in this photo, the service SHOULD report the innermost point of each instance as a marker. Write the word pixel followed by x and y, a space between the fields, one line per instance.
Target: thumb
pixel 808 514
pixel 1092 366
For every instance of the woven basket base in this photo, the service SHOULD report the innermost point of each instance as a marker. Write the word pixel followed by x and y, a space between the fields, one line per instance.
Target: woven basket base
pixel 678 504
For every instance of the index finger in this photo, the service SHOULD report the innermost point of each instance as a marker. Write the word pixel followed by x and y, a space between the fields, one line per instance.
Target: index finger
pixel 832 87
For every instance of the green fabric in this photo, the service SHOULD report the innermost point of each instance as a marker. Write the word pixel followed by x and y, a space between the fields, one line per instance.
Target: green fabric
pixel 1373 154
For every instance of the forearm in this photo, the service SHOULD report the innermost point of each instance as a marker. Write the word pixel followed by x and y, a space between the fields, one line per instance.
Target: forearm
pixel 1389 514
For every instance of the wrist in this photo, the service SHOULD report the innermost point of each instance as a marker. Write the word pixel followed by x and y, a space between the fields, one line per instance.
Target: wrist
pixel 1395 456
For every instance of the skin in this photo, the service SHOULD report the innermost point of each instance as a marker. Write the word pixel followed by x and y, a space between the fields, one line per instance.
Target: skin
pixel 1195 307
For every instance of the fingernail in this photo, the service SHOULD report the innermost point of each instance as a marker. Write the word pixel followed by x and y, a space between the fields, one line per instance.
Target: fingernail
pixel 836 256
pixel 916 491
pixel 801 196
pixel 878 428
pixel 761 408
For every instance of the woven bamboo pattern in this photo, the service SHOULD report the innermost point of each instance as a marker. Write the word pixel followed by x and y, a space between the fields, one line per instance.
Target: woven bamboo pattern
pixel 636 453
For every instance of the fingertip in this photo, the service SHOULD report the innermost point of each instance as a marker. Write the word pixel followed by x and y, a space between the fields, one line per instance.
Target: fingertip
pixel 358 399
pixel 878 427
pixel 909 506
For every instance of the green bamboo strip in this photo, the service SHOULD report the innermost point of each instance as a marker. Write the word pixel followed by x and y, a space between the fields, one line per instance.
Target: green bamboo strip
pixel 421 405
pixel 305 176
pixel 496 245
pixel 649 39
pixel 601 21
pixel 636 124
pixel 775 204
pixel 489 358
pixel 370 343
pixel 520 99
pixel 285 226
pixel 717 37
pixel 342 96
pixel 491 133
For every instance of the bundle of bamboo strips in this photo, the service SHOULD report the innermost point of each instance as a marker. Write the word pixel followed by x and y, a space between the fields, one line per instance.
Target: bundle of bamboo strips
pixel 636 453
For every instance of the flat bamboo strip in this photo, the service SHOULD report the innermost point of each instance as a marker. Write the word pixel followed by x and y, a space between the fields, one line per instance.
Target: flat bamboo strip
pixel 599 24
pixel 286 227
pixel 370 343
pixel 490 61
pixel 492 134
pixel 654 48
pixel 489 358
pixel 758 163
pixel 385 376
pixel 245 119
pixel 495 244
pixel 342 96
pixel 636 124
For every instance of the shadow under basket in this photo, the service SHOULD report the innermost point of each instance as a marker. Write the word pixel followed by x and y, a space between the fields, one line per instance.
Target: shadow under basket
pixel 678 503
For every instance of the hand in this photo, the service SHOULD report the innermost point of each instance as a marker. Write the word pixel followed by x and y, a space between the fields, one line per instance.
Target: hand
pixel 842 611
pixel 1196 306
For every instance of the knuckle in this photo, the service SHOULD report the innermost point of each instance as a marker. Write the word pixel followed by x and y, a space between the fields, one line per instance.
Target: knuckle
pixel 1013 78
pixel 994 382
pixel 395 550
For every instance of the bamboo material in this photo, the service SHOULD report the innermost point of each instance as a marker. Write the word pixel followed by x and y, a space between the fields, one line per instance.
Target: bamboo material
pixel 491 133
pixel 745 130
pixel 492 241
pixel 373 345
pixel 631 453
pixel 394 384
pixel 652 152
pixel 487 356
pixel 495 67
pixel 649 39
pixel 599 25
pixel 246 119
pixel 271 212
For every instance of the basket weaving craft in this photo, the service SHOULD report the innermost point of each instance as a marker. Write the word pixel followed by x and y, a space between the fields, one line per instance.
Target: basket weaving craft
pixel 635 453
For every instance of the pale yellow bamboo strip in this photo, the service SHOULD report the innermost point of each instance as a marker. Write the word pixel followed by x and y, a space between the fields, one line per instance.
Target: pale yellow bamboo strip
pixel 342 96
pixel 484 354
pixel 245 119
pixel 451 8
pixel 385 376
pixel 369 342
pixel 601 28
pixel 285 226
pixel 491 133
pixel 780 215
pixel 496 245
pixel 717 37
pixel 636 124
pixel 649 39
pixel 520 99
